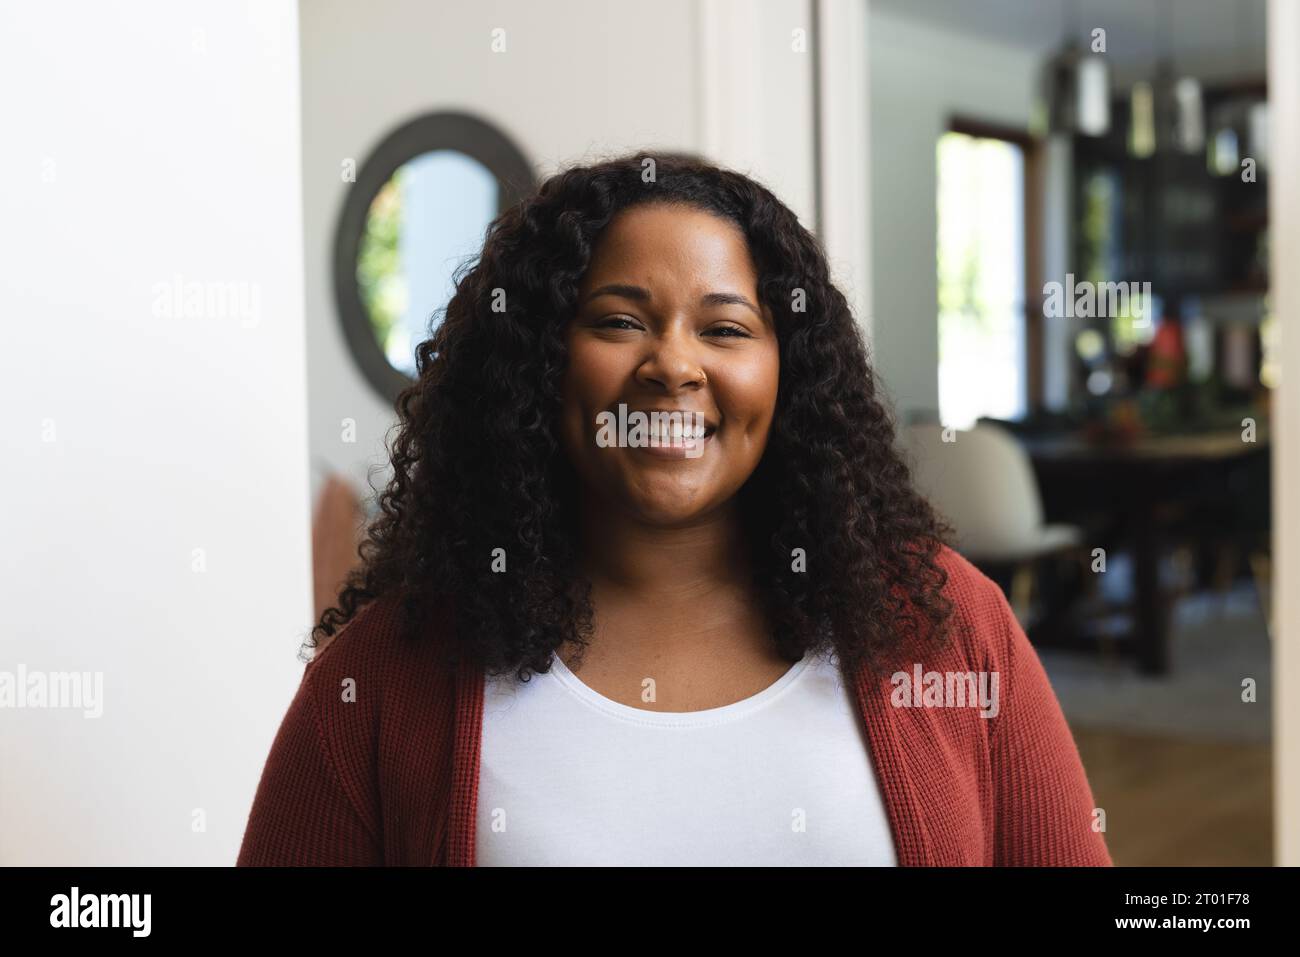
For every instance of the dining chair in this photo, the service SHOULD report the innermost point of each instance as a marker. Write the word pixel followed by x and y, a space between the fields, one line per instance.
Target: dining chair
pixel 982 481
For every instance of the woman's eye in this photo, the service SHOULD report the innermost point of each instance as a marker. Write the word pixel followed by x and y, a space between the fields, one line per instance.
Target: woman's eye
pixel 729 332
pixel 617 322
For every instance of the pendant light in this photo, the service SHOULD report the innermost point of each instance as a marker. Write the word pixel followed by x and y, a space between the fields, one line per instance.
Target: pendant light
pixel 1239 127
pixel 1180 115
pixel 1074 93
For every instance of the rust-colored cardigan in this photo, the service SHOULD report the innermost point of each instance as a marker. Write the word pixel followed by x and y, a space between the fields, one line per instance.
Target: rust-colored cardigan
pixel 391 778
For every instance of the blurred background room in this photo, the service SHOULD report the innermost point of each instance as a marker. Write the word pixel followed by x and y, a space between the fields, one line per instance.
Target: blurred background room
pixel 1060 223
pixel 1081 187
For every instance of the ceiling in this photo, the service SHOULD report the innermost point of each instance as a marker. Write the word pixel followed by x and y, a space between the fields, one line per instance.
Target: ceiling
pixel 1137 31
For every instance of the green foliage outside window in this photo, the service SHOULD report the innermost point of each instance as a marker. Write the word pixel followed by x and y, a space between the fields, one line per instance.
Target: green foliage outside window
pixel 379 265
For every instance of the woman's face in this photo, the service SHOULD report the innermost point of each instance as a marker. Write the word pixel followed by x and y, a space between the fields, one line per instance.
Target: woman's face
pixel 669 320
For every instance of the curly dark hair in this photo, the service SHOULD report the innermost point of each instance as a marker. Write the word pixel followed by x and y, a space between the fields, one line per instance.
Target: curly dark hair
pixel 478 465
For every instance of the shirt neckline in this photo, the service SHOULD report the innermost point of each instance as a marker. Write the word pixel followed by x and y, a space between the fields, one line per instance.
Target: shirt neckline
pixel 677 719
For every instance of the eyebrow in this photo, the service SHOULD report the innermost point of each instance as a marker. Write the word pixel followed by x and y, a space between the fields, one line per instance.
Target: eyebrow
pixel 641 294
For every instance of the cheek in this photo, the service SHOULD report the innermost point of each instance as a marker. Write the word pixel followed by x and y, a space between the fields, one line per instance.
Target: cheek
pixel 593 373
pixel 748 391
pixel 591 383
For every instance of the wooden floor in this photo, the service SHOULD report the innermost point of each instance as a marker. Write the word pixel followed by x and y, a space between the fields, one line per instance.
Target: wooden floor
pixel 1181 802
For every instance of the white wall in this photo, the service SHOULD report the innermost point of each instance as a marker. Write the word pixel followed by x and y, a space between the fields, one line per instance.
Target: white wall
pixel 846 151
pixel 143 143
pixel 580 79
pixel 920 76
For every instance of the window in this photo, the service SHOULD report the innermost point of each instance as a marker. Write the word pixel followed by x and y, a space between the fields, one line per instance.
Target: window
pixel 418 212
pixel 981 272
pixel 423 223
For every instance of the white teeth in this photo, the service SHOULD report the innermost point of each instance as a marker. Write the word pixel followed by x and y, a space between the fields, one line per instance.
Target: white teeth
pixel 673 431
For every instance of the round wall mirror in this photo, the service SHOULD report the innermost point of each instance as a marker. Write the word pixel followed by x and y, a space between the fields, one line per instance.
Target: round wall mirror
pixel 417 212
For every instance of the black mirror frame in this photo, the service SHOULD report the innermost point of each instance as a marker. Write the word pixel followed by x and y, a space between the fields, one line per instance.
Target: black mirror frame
pixel 442 130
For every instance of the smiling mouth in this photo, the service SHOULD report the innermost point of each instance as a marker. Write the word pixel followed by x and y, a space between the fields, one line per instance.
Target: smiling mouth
pixel 663 432
pixel 677 442
pixel 677 434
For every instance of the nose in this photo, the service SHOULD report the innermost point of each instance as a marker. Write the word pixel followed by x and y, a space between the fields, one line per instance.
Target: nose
pixel 673 363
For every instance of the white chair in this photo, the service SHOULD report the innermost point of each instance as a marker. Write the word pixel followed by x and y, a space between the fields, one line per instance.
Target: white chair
pixel 983 483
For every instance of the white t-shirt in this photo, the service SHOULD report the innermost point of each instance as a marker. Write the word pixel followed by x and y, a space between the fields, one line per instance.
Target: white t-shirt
pixel 784 777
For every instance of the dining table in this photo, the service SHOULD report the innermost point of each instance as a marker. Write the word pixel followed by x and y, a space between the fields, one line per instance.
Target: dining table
pixel 1139 484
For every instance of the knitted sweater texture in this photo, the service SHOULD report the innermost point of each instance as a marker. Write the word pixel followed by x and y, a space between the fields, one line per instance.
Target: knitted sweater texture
pixel 376 760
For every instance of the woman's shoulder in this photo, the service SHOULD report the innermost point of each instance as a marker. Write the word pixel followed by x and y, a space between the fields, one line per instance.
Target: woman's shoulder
pixel 986 640
pixel 983 627
pixel 974 594
pixel 377 653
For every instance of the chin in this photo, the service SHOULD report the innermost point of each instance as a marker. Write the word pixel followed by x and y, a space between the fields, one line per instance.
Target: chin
pixel 666 511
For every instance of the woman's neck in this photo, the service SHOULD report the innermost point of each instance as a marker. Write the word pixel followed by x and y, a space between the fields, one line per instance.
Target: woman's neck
pixel 652 563
pixel 681 598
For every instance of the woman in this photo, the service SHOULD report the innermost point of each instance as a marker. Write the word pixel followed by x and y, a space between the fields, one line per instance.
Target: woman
pixel 735 638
